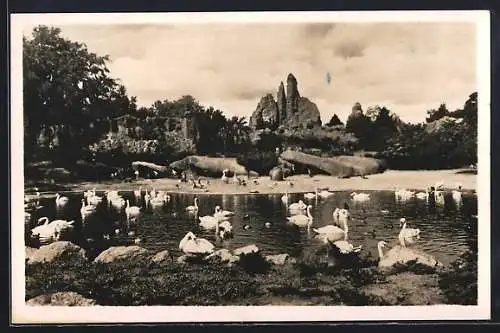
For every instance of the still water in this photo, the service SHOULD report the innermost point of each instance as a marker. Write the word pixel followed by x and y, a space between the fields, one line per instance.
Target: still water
pixel 446 231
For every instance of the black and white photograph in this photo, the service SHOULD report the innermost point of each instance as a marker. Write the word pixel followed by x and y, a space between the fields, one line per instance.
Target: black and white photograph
pixel 187 167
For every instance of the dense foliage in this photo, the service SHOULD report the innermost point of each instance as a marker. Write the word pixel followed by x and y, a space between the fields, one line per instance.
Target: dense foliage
pixel 66 88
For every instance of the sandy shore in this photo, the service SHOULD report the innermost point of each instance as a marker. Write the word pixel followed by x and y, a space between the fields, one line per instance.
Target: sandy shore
pixel 299 183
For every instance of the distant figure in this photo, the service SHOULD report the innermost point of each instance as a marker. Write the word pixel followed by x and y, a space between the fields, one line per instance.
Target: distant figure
pixel 136 174
pixel 328 77
pixel 183 177
pixel 309 172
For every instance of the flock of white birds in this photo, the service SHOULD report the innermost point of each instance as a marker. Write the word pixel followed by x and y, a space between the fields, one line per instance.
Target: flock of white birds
pixel 335 234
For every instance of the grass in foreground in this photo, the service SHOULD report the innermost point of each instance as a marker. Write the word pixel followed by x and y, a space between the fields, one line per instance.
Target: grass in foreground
pixel 253 282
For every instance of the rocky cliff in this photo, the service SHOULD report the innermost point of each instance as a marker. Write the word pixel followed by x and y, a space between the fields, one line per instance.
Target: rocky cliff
pixel 289 110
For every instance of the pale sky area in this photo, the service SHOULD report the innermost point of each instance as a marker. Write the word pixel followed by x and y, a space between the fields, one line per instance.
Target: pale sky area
pixel 408 67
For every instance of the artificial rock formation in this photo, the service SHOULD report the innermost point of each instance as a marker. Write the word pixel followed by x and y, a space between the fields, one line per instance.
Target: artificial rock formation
pixel 290 109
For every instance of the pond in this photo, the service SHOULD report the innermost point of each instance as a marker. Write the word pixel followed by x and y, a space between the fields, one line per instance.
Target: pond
pixel 446 231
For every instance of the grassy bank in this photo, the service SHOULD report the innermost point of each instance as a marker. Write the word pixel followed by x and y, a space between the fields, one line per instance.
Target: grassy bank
pixel 309 281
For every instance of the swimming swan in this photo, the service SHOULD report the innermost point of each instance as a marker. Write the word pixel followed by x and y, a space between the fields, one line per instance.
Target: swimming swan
pixel 360 197
pixel 403 195
pixel 302 220
pixel 332 232
pixel 310 195
pixel 325 194
pixel 61 201
pixel 224 213
pixel 87 209
pixel 423 195
pixel 132 210
pixel 345 247
pixel 457 194
pixel 402 255
pixel 284 198
pixel 407 235
pixel 193 208
pixel 191 244
pixel 340 216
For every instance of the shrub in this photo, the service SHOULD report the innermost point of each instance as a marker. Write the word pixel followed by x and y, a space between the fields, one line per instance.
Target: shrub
pixel 258 161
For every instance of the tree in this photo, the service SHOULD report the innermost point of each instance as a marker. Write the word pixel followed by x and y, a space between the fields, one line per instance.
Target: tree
pixel 361 126
pixel 67 87
pixel 433 115
pixel 335 121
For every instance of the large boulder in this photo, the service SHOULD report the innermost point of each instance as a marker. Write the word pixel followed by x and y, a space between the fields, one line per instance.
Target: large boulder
pixel 119 253
pixel 210 166
pixel 266 114
pixel 307 114
pixel 67 298
pixel 56 250
pixel 224 256
pixel 162 258
pixel 277 174
pixel 341 166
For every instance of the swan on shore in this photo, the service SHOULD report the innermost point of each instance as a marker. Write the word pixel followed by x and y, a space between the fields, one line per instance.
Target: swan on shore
pixel 193 245
pixel 360 197
pixel 193 208
pixel 402 255
pixel 302 220
pixel 407 235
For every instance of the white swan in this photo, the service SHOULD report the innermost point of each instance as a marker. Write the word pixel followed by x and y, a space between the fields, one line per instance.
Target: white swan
pixel 325 194
pixel 138 192
pixel 223 213
pixel 94 199
pixel 302 220
pixel 284 198
pixel 132 211
pixel 439 185
pixel 457 194
pixel 300 205
pixel 402 255
pixel 310 195
pixel 46 233
pixel 360 197
pixel 117 202
pixel 345 247
pixel 60 200
pixel 157 201
pixel 87 209
pixel 332 232
pixel 403 194
pixel 208 222
pixel 193 208
pixel 225 229
pixel 340 216
pixel 407 235
pixel 423 195
pixel 439 198
pixel 191 244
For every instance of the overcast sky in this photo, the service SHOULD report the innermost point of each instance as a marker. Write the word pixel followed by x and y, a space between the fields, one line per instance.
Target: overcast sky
pixel 408 67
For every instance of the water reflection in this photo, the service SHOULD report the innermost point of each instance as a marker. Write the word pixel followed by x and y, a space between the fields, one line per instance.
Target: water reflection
pixel 447 230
